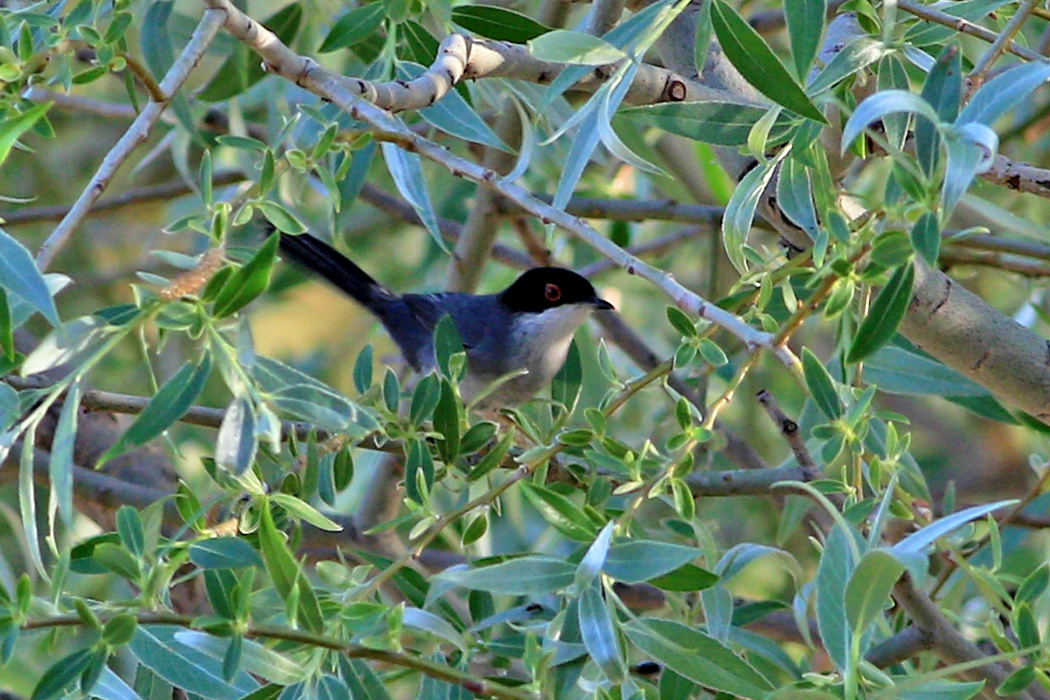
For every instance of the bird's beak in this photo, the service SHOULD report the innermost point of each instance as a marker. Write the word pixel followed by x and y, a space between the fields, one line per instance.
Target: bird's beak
pixel 600 304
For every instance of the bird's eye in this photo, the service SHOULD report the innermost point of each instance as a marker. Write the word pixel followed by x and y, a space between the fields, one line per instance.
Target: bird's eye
pixel 552 292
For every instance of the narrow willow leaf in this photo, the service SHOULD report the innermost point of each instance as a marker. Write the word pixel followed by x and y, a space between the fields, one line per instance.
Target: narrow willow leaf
pixel 249 281
pixel 61 463
pixel 169 404
pixel 10 131
pixel 917 542
pixel 943 90
pixel 493 22
pixel 532 575
pixel 881 104
pixel 156 647
pixel 926 237
pixel 255 658
pixel 560 512
pixel 223 553
pixel 837 564
pixel 642 560
pixel 698 657
pixel 235 445
pixel 716 122
pixel 805 24
pixel 19 275
pixel 353 27
pixel 884 316
pixel 869 588
pixel 563 46
pixel 285 572
pixel 1004 92
pixel 599 635
pixel 748 51
pixel 407 170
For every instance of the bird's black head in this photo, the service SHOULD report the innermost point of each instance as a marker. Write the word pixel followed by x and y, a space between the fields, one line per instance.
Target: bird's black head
pixel 543 288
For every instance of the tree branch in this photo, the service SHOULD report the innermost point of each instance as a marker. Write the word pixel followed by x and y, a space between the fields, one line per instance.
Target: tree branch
pixel 139 130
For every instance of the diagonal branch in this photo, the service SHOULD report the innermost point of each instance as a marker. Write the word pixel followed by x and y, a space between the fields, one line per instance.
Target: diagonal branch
pixel 139 130
pixel 306 73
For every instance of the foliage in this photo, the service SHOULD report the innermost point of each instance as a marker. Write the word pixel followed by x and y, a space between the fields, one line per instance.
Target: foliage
pixel 596 544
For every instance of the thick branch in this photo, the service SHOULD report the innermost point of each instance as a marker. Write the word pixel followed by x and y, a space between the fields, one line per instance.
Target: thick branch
pixel 962 331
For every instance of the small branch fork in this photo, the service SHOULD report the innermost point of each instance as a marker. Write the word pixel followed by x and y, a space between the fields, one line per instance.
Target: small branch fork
pixel 307 74
pixel 139 130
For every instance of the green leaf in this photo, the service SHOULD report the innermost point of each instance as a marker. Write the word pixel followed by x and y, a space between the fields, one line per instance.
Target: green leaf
pixel 926 237
pixel 1034 585
pixel 425 399
pixel 454 115
pixel 60 466
pixel 235 445
pixel 156 648
pixel 223 553
pixel 304 397
pixel 131 531
pixel 563 46
pixel 837 564
pixel 493 22
pixel 1016 682
pixel 531 575
pixel 446 422
pixel 898 371
pixel 943 90
pixel 285 572
pixel 561 513
pixel 1004 92
pixel 599 635
pixel 363 370
pixel 917 542
pixel 20 276
pixel 407 171
pixel 354 27
pixel 304 511
pixel 746 50
pixel 61 674
pixel 565 387
pixel 821 385
pixel 884 316
pixel 119 630
pixel 869 588
pixel 641 560
pixel 687 578
pixel 249 281
pixel 155 40
pixel 255 658
pixel 10 131
pixel 696 656
pixel 714 122
pixel 169 404
pixel 805 25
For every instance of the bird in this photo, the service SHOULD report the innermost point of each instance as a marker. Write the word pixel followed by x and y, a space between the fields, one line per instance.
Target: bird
pixel 528 326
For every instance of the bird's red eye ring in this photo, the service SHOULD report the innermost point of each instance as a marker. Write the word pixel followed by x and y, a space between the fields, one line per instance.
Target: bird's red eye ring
pixel 552 292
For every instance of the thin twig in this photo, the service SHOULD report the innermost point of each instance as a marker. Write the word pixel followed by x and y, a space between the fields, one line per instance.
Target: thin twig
pixel 988 58
pixel 964 26
pixel 477 686
pixel 140 195
pixel 139 130
pixel 309 75
pixel 789 429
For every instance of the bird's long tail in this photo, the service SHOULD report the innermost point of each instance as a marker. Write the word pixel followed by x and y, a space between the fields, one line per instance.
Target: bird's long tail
pixel 322 259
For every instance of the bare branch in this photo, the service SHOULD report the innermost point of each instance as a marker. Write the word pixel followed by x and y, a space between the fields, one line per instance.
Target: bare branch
pixel 160 192
pixel 964 26
pixel 308 74
pixel 135 135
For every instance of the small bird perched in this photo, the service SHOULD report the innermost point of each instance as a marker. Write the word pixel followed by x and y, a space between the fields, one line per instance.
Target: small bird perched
pixel 528 326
